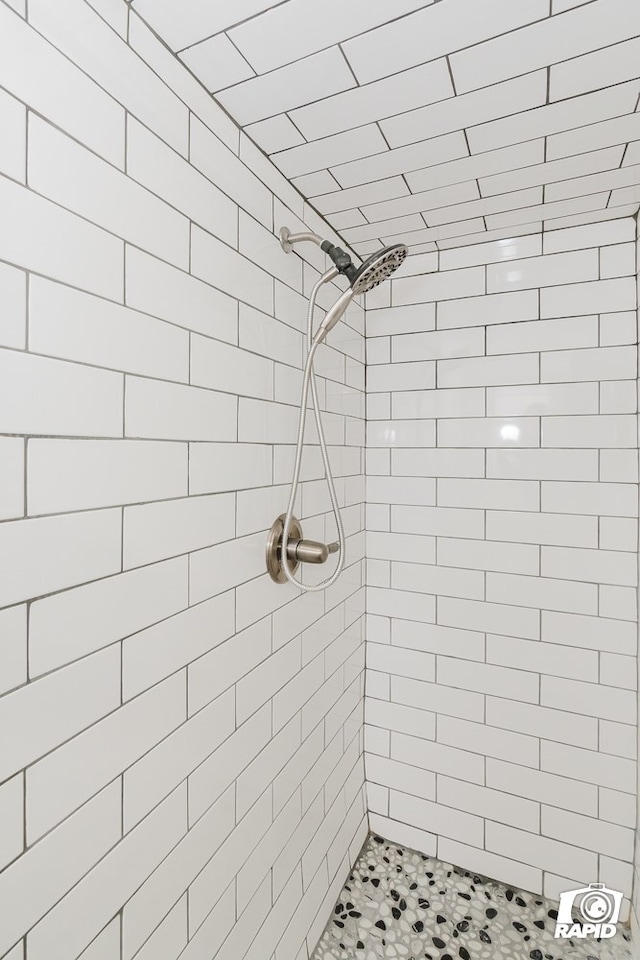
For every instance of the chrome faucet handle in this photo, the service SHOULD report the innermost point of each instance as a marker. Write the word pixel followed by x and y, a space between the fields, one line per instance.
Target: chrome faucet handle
pixel 333 547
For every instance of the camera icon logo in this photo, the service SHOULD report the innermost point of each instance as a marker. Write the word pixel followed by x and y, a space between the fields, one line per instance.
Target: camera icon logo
pixel 591 911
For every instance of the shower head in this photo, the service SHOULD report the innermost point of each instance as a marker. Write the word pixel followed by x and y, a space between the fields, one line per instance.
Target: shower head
pixel 368 275
pixel 377 268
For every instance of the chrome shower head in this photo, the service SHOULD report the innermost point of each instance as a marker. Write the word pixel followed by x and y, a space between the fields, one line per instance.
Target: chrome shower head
pixel 377 268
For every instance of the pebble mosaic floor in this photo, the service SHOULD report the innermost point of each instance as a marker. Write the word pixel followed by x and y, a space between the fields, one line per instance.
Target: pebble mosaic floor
pixel 401 905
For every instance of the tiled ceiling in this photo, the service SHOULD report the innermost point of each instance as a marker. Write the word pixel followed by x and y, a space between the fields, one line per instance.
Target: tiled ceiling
pixel 439 123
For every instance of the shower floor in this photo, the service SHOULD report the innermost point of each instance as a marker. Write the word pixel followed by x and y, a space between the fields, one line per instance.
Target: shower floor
pixel 401 904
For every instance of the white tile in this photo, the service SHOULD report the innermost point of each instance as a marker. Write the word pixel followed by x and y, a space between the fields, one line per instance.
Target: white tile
pixel 440 404
pixel 506 161
pixel 548 528
pixel 428 153
pixel 437 521
pixel 216 263
pixel 155 531
pixel 84 474
pixel 489 617
pixel 433 32
pixel 59 90
pixel 299 31
pixel 84 255
pixel 197 21
pixel 13 291
pixel 405 225
pixel 551 270
pixel 285 88
pixel 52 867
pixel 550 172
pixel 33 564
pixel 597 633
pixel 602 67
pixel 488 371
pixel 542 464
pixel 63 780
pixel 488 555
pixel 490 432
pixel 224 367
pixel 617 260
pixel 115 878
pixel 489 741
pixel 487 678
pixel 441 819
pixel 11 805
pixel 603 363
pixel 144 41
pixel 13 152
pixel 338 149
pixel 75 178
pixel 275 133
pixel 490 864
pixel 542 592
pixel 437 757
pixel 53 397
pixel 12 455
pixel 617 671
pixel 598 566
pixel 157 288
pixel 545 787
pixel 166 174
pixel 421 85
pixel 602 431
pixel 154 653
pixel 553 119
pixel 488 309
pixel 441 286
pixel 437 345
pixel 401 433
pixel 540 851
pixel 215 569
pixel 158 410
pixel 488 494
pixel 381 190
pixel 548 41
pixel 396 603
pixel 489 803
pixel 408 376
pixel 616 180
pixel 13 650
pixel 477 108
pixel 314 184
pixel 610 703
pixel 235 177
pixel 69 701
pixel 129 602
pixel 72 325
pixel 100 52
pixel 106 945
pixel 560 398
pixel 618 126
pixel 542 721
pixel 216 62
pixel 169 938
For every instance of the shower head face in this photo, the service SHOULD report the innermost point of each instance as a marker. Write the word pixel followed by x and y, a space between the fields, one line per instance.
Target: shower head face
pixel 377 268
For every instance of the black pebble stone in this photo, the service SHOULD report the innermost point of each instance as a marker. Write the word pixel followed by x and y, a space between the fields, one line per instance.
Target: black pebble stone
pixel 536 955
pixel 418 926
pixel 441 919
pixel 520 927
pixel 395 913
pixel 438 942
pixel 484 936
pixel 462 926
pixel 491 913
pixel 464 953
pixel 381 924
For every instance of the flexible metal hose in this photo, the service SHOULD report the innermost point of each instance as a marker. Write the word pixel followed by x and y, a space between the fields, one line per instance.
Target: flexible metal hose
pixel 309 378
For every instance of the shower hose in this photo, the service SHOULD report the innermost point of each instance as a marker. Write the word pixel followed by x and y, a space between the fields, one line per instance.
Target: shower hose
pixel 309 378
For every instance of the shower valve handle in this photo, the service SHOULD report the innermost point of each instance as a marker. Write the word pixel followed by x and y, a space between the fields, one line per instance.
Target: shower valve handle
pixel 307 551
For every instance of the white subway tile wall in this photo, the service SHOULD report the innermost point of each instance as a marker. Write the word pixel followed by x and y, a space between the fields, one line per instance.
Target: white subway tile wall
pixel 181 766
pixel 501 695
pixel 619 800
